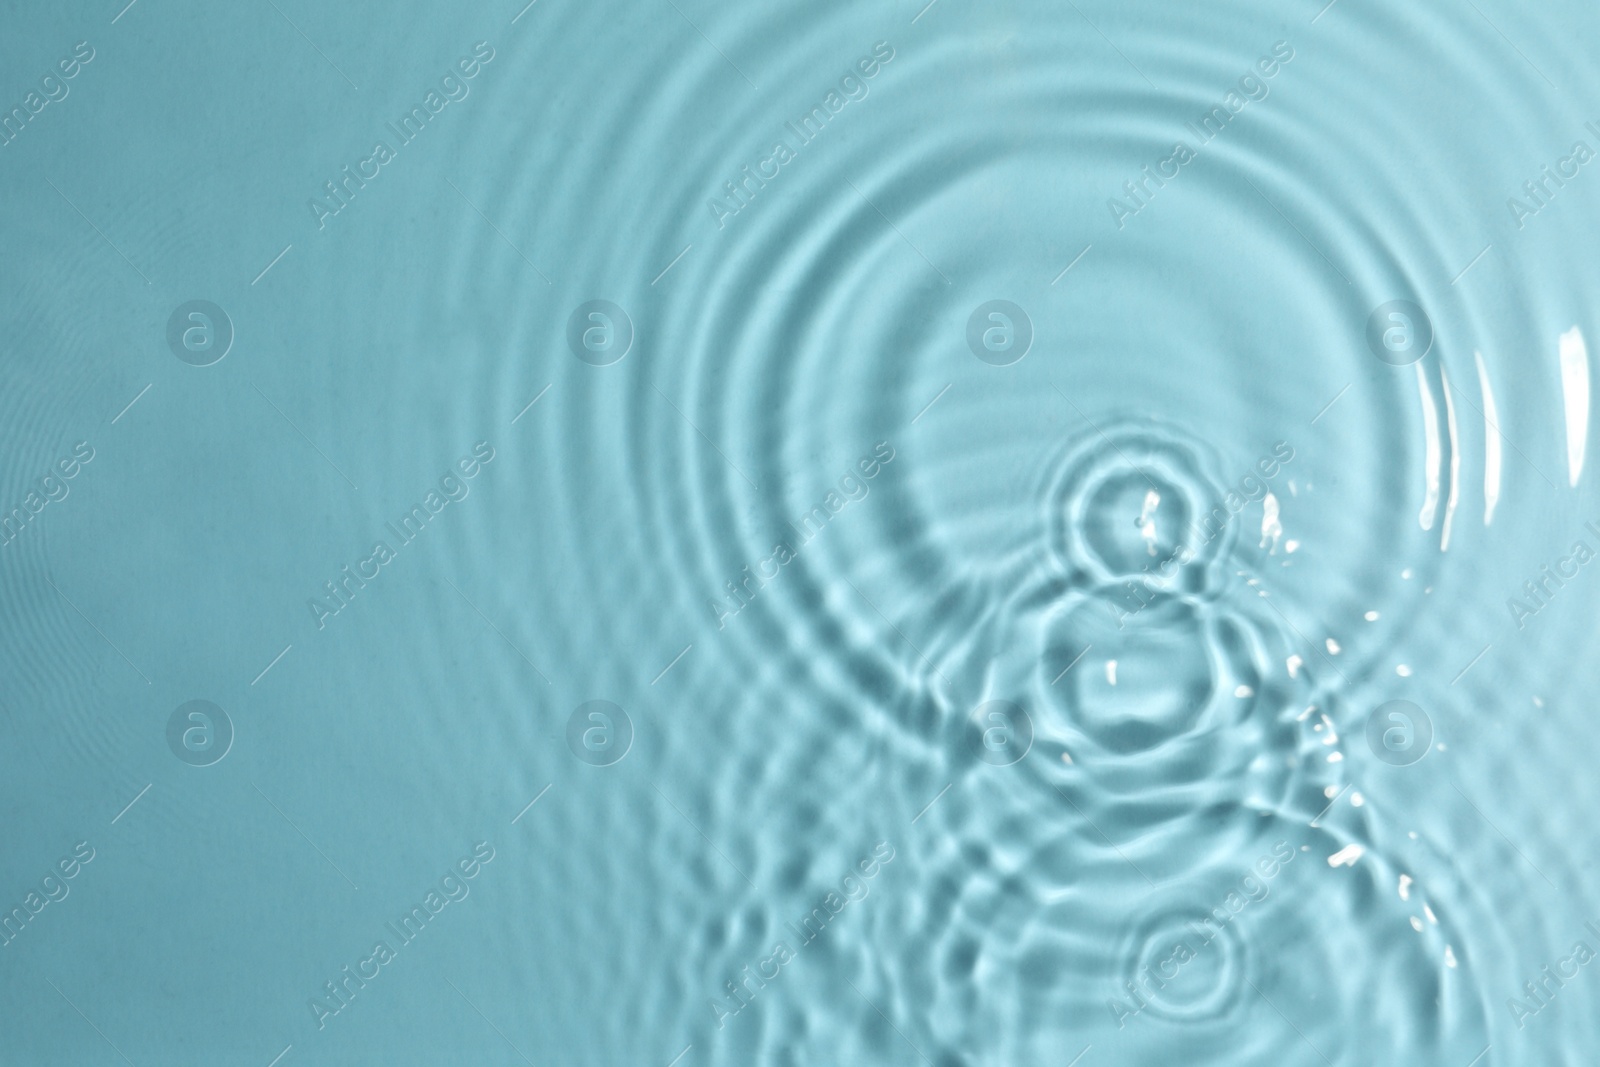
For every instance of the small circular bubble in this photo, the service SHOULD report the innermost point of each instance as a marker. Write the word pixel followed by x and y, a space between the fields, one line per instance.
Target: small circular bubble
pixel 599 733
pixel 199 333
pixel 1000 732
pixel 1399 333
pixel 999 333
pixel 599 332
pixel 1399 733
pixel 199 733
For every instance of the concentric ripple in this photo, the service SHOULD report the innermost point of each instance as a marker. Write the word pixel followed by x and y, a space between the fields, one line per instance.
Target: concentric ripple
pixel 996 459
pixel 1088 633
pixel 1134 504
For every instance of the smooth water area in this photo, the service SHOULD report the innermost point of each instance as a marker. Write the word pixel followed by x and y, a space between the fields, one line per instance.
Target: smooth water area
pixel 690 534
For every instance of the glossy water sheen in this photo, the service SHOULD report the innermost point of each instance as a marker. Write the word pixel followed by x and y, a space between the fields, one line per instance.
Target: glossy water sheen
pixel 1082 556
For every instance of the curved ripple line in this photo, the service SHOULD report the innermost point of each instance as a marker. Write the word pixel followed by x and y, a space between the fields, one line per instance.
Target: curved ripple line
pixel 1432 455
pixel 1455 462
pixel 1491 442
pixel 1574 355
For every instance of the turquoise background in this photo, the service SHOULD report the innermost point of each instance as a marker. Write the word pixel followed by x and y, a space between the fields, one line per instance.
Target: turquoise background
pixel 1014 629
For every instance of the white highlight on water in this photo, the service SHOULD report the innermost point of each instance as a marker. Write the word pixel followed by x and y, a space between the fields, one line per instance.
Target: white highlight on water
pixel 1333 734
pixel 1491 443
pixel 1455 462
pixel 1147 521
pixel 1431 451
pixel 1111 672
pixel 1347 856
pixel 1575 390
pixel 1271 528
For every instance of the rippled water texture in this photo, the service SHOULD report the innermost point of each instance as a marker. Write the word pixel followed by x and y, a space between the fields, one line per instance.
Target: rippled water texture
pixel 933 533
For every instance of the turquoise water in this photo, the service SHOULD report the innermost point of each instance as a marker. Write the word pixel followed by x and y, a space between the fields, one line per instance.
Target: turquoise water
pixel 898 533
